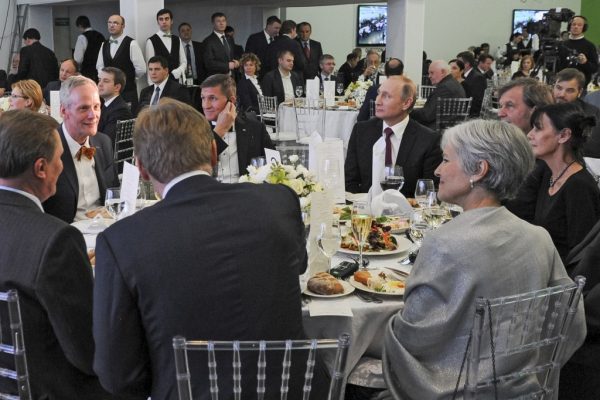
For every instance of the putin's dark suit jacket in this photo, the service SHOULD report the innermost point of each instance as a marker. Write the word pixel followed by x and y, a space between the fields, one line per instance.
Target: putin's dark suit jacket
pixel 446 88
pixel 216 59
pixel 247 95
pixel 38 63
pixel 46 261
pixel 311 65
pixel 117 110
pixel 284 42
pixel 172 89
pixel 272 85
pixel 64 203
pixel 200 272
pixel 475 84
pixel 419 155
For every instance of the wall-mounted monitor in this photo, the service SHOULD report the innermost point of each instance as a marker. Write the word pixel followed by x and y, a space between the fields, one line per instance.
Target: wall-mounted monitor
pixel 522 17
pixel 371 25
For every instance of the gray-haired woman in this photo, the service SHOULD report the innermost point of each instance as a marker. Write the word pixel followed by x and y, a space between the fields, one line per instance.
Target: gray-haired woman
pixel 485 251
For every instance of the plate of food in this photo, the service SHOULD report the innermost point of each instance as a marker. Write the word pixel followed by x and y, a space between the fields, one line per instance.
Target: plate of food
pixel 380 242
pixel 325 285
pixel 378 282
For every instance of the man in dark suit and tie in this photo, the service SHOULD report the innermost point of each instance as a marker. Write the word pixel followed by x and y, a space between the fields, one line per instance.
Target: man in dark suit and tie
pixel 193 54
pixel 45 260
pixel 282 81
pixel 111 81
pixel 407 143
pixel 162 86
pixel 311 49
pixel 37 62
pixel 257 42
pixel 326 68
pixel 218 48
pixel 445 87
pixel 475 82
pixel 285 41
pixel 197 273
pixel 88 157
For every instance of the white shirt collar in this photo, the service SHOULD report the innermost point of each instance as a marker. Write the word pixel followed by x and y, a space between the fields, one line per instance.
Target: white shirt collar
pixel 180 178
pixel 24 193
pixel 161 33
pixel 73 145
pixel 397 128
pixel 107 102
pixel 267 36
pixel 161 86
pixel 118 38
pixel 466 73
pixel 220 35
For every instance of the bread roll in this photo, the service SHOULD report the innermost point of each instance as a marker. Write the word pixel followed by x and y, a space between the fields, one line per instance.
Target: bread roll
pixel 362 277
pixel 325 284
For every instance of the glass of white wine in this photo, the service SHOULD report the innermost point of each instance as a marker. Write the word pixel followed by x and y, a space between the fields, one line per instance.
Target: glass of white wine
pixel 361 226
pixel 329 239
pixel 418 227
pixel 113 203
pixel 423 186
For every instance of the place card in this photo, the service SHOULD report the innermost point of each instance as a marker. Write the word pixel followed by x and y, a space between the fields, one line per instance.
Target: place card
pixel 330 307
pixel 55 105
pixel 272 156
pixel 312 88
pixel 329 93
pixel 129 186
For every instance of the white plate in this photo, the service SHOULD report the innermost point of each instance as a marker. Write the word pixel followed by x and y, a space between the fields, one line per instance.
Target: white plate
pixel 365 288
pixel 403 245
pixel 86 227
pixel 348 288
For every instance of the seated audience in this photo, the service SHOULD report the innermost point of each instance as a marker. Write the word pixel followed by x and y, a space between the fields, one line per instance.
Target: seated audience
pixel 457 68
pixel 26 94
pixel 188 278
pixel 282 81
pixel 111 81
pixel 484 65
pixel 326 69
pixel 371 66
pixel 484 252
pixel 518 99
pixel 68 67
pixel 248 87
pixel 446 87
pixel 88 156
pixel 45 260
pixel 475 83
pixel 593 98
pixel 408 144
pixel 393 67
pixel 346 71
pixel 525 68
pixel 567 199
pixel 162 86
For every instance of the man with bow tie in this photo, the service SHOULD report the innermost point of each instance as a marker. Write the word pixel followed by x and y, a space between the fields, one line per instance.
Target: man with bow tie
pixel 163 43
pixel 88 166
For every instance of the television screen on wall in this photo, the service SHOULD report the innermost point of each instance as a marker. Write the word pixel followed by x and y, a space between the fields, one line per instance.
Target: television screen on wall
pixel 371 25
pixel 522 17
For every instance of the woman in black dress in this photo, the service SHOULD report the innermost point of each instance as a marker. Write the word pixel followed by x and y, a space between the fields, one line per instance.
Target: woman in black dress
pixel 248 87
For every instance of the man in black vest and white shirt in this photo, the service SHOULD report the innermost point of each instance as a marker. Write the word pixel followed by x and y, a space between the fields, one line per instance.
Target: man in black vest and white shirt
pixel 87 47
pixel 163 43
pixel 121 51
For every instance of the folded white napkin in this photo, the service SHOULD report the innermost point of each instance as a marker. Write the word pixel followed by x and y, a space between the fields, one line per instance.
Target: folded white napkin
pixel 312 88
pixel 388 199
pixel 313 140
pixel 377 167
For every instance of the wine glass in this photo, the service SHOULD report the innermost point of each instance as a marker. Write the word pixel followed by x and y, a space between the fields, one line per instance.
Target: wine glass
pixel 113 202
pixel 299 90
pixel 423 186
pixel 339 88
pixel 330 171
pixel 361 226
pixel 258 162
pixel 329 239
pixel 393 178
pixel 418 227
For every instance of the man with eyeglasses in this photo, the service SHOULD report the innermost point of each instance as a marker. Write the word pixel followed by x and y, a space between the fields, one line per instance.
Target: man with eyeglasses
pixel 122 52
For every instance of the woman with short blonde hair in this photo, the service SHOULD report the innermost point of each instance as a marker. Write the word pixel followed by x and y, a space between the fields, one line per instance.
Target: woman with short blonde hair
pixel 26 94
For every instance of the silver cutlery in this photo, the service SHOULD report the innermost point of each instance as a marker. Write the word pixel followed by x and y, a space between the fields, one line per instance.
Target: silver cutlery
pixel 367 298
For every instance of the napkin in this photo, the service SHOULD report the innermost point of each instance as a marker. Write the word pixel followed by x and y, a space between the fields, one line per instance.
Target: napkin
pixel 330 307
pixel 329 93
pixel 312 88
pixel 55 105
pixel 378 167
pixel 129 187
pixel 313 140
pixel 388 198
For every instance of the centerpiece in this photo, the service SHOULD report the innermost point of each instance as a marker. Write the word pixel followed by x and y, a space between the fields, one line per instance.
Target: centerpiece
pixel 358 90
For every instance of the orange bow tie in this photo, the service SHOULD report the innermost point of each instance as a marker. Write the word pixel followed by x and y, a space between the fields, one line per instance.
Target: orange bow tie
pixel 85 151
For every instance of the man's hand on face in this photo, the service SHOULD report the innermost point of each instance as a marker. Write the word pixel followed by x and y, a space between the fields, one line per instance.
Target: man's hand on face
pixel 226 119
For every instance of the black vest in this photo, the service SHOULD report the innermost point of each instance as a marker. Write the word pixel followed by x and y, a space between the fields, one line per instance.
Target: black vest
pixel 121 61
pixel 161 50
pixel 90 56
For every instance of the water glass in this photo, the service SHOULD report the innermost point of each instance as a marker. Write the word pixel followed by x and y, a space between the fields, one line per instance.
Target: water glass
pixel 421 189
pixel 330 172
pixel 113 203
pixel 329 239
pixel 393 178
pixel 418 227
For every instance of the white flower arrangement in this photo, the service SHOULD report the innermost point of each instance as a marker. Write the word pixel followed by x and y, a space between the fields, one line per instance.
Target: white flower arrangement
pixel 358 89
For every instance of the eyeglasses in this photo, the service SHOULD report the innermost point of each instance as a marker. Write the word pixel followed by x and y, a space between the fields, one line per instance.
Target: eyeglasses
pixel 16 96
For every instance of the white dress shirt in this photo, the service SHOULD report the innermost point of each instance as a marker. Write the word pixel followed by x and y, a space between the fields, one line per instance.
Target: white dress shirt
pixel 180 70
pixel 288 87
pixel 192 58
pixel 180 178
pixel 396 138
pixel 135 55
pixel 24 193
pixel 89 191
pixel 80 47
pixel 228 169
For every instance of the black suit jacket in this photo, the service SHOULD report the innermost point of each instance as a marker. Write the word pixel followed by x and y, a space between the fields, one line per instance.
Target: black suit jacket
pixel 257 43
pixel 64 203
pixel 117 110
pixel 247 95
pixel 419 155
pixel 45 260
pixel 446 88
pixel 201 275
pixel 475 84
pixel 311 65
pixel 216 59
pixel 284 42
pixel 272 85
pixel 251 138
pixel 54 85
pixel 347 74
pixel 591 147
pixel 37 62
pixel 172 89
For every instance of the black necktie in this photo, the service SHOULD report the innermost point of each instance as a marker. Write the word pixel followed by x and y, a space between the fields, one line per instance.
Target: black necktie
pixel 188 55
pixel 226 45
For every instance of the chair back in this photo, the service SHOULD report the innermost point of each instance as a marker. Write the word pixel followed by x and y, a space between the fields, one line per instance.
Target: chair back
pixel 14 346
pixel 267 108
pixel 371 108
pixel 529 330
pixel 182 346
pixel 310 117
pixel 425 91
pixel 123 150
pixel 451 111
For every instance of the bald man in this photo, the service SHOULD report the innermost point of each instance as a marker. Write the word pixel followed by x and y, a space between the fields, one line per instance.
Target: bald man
pixel 445 87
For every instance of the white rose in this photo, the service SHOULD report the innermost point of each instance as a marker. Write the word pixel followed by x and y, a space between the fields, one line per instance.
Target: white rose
pixel 293 158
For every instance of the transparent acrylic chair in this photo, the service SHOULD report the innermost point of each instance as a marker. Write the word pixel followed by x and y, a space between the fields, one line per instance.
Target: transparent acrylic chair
pixel 123 150
pixel 528 329
pixel 15 346
pixel 182 346
pixel 310 117
pixel 451 111
pixel 425 91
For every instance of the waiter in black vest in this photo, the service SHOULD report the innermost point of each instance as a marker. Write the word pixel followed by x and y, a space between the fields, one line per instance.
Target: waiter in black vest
pixel 86 48
pixel 164 43
pixel 121 51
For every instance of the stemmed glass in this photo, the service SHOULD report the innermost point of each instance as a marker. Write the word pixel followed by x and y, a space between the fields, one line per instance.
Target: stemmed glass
pixel 329 239
pixel 423 186
pixel 418 227
pixel 393 178
pixel 361 226
pixel 330 171
pixel 299 90
pixel 339 88
pixel 258 162
pixel 113 202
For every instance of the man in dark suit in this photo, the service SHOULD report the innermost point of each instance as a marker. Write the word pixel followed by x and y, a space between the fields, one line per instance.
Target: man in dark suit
pixel 234 286
pixel 285 41
pixel 45 260
pixel 163 43
pixel 474 84
pixel 257 42
pixel 68 68
pixel 81 186
pixel 37 62
pixel 111 81
pixel 326 69
pixel 162 86
pixel 311 49
pixel 445 87
pixel 246 138
pixel 193 54
pixel 407 143
pixel 282 81
pixel 346 71
pixel 218 48
pixel 393 67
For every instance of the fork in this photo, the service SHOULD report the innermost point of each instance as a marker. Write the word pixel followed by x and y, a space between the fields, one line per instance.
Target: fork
pixel 367 298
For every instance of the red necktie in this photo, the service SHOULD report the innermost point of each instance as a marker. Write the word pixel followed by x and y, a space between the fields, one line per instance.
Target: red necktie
pixel 85 151
pixel 388 146
pixel 306 50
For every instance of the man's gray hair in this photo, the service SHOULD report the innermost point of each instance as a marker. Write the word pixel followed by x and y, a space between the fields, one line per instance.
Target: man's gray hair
pixel 535 93
pixel 502 145
pixel 71 83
